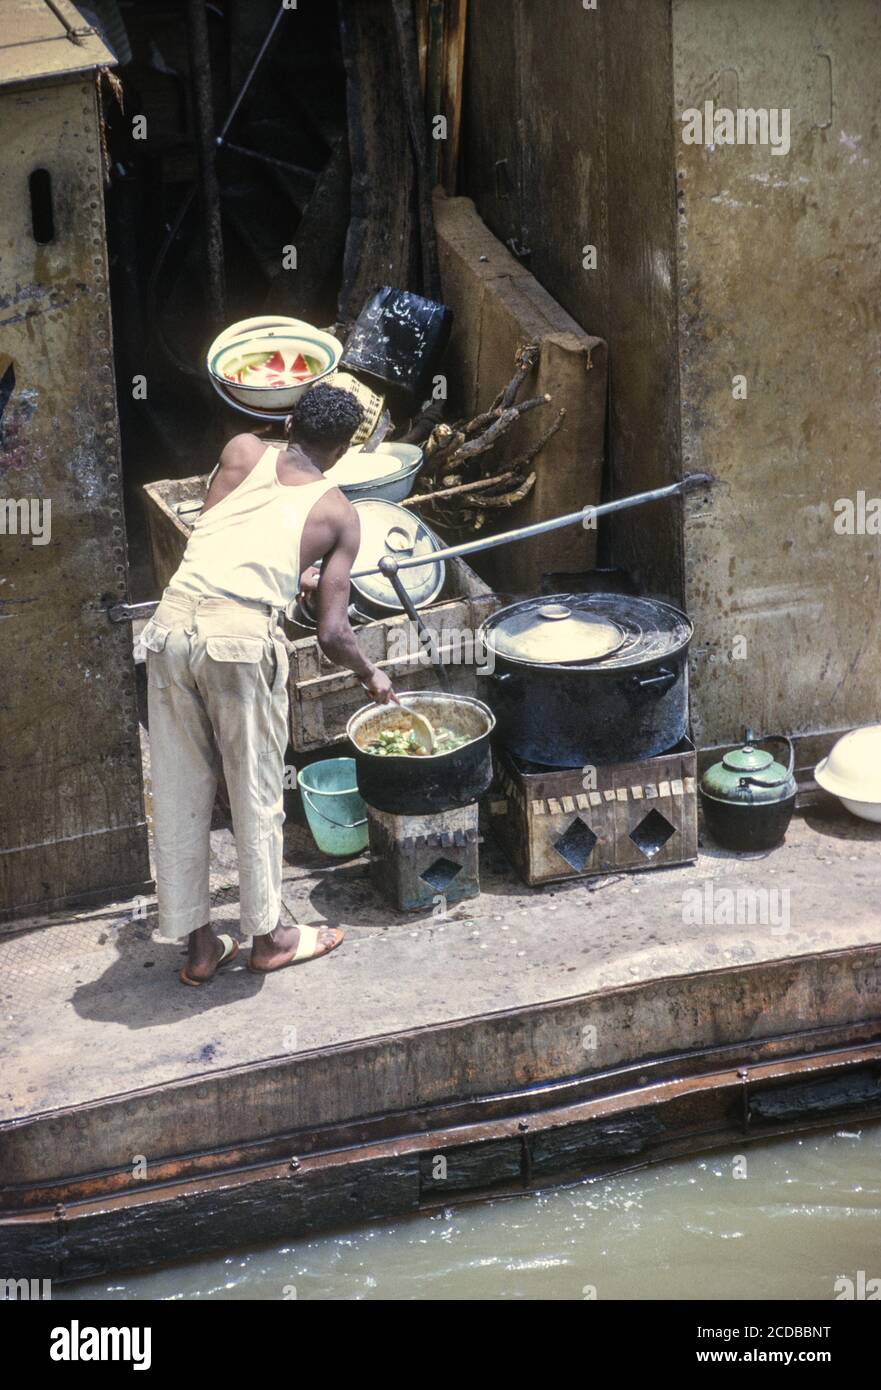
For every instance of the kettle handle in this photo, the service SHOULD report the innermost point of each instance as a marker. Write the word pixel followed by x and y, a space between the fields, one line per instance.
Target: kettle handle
pixel 781 781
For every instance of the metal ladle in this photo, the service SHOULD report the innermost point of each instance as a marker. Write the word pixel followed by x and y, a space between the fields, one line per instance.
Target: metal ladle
pixel 539 528
pixel 388 567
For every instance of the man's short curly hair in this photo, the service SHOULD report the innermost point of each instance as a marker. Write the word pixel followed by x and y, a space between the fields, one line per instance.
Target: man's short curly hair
pixel 325 417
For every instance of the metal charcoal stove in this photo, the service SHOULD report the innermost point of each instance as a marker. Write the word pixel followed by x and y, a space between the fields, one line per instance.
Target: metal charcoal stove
pixel 425 861
pixel 577 822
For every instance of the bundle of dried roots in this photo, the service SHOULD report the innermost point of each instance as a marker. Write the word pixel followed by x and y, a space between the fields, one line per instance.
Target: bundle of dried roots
pixel 458 487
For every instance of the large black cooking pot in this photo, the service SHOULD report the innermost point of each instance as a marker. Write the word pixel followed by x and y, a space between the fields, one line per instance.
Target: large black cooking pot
pixel 587 679
pixel 417 786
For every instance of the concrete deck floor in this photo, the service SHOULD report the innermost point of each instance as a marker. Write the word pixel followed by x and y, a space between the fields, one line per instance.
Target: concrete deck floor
pixel 91 1004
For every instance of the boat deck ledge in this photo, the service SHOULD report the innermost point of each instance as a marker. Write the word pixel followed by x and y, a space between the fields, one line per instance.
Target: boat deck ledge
pixel 527 1035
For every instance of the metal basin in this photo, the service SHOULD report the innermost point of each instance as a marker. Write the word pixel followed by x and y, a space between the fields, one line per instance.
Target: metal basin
pixel 393 487
pixel 321 346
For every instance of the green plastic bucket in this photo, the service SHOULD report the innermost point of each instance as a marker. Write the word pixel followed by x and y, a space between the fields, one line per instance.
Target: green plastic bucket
pixel 336 812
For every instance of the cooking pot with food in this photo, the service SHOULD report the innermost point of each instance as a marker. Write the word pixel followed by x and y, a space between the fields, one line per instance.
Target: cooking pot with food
pixel 582 679
pixel 394 777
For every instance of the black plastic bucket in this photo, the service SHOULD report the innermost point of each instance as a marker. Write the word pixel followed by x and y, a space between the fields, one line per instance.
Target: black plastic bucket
pixel 398 340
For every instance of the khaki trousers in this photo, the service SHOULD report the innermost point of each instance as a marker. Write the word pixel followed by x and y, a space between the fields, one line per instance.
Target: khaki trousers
pixel 217 674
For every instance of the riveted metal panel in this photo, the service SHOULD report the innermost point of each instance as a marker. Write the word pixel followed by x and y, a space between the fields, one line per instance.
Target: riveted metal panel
pixel 71 804
pixel 46 40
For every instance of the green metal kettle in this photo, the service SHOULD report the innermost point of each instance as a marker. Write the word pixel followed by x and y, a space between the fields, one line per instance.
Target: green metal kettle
pixel 748 798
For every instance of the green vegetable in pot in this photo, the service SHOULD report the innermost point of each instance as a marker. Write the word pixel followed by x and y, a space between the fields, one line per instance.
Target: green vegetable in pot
pixel 395 742
pixel 401 742
pixel 445 741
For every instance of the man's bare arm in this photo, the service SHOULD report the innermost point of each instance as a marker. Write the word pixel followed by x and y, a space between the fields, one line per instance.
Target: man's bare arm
pixel 335 634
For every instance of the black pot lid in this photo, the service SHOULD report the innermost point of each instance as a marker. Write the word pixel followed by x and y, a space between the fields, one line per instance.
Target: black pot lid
pixel 387 529
pixel 597 631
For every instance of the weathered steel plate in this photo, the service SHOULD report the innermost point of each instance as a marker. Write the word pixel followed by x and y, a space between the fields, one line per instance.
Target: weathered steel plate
pixel 71 805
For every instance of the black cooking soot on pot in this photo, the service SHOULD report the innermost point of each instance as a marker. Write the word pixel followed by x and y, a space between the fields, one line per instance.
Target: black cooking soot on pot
pixel 398 340
pixel 588 678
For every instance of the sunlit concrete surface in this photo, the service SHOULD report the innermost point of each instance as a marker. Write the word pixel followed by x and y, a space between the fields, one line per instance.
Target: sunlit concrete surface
pixel 92 1006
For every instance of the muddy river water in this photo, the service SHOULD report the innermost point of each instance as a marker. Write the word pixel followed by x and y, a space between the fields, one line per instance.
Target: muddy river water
pixel 796 1218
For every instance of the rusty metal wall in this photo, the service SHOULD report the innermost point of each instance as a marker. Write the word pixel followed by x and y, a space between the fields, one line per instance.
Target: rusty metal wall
pixel 780 281
pixel 568 143
pixel 71 805
pixel 714 263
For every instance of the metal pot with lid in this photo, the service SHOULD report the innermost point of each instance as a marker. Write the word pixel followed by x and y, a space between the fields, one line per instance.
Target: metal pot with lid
pixel 579 679
pixel 387 529
pixel 748 798
pixel 557 633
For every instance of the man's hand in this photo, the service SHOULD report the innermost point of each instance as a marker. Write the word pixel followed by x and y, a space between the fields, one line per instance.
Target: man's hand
pixel 308 582
pixel 307 590
pixel 380 688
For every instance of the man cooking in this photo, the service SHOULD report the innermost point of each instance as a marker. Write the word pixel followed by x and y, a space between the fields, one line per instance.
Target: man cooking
pixel 217 672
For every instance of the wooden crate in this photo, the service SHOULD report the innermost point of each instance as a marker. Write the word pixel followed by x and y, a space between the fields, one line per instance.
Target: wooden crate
pixel 169 531
pixel 557 825
pixel 325 696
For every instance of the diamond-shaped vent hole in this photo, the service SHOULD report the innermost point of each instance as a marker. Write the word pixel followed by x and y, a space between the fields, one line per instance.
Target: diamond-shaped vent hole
pixel 576 845
pixel 652 834
pixel 441 874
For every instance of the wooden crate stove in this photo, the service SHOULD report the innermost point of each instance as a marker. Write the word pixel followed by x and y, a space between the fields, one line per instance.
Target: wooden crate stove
pixel 576 823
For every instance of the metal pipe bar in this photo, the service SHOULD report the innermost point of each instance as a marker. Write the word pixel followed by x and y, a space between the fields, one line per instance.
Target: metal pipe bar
pixel 298 170
pixel 389 567
pixel 209 190
pixel 249 79
pixel 123 612
pixel 539 528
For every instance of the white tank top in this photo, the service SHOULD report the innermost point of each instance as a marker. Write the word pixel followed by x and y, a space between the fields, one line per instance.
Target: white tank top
pixel 247 546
